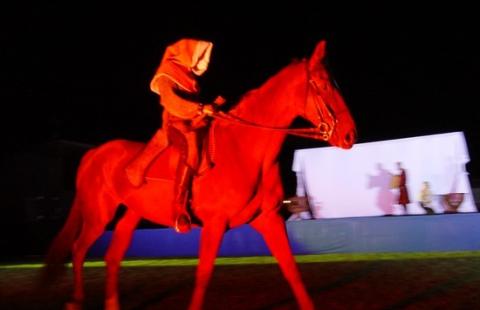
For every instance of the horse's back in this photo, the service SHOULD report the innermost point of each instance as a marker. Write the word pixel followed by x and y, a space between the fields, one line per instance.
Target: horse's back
pixel 107 160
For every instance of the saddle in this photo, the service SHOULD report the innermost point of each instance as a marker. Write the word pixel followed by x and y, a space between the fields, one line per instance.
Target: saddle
pixel 164 166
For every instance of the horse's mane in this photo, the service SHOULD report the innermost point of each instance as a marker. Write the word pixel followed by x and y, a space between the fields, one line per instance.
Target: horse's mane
pixel 266 88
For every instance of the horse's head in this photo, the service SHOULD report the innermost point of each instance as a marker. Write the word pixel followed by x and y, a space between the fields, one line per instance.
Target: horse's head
pixel 325 107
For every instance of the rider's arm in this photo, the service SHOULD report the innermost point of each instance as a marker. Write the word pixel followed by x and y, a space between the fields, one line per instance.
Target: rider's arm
pixel 177 102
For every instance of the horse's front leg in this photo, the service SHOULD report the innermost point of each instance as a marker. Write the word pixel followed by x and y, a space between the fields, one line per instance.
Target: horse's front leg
pixel 122 236
pixel 210 241
pixel 272 227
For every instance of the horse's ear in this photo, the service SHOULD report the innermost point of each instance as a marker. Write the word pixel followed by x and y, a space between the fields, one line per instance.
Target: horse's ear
pixel 318 54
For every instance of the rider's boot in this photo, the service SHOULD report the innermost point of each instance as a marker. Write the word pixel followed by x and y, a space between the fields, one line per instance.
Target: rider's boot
pixel 183 222
pixel 136 169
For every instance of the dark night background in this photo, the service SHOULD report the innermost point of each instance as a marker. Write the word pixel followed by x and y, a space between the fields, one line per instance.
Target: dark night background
pixel 74 76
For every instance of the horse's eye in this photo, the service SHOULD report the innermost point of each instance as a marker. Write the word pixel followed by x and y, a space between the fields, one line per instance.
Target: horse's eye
pixel 323 86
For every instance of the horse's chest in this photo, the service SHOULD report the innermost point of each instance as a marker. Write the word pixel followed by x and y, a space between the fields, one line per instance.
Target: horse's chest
pixel 225 191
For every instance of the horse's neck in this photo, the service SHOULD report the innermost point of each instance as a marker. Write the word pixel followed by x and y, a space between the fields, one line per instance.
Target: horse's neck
pixel 271 105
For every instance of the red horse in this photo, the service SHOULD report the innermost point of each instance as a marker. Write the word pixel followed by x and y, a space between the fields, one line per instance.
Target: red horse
pixel 243 187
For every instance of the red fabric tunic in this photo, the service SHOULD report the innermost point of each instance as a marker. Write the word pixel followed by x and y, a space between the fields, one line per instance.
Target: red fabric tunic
pixel 402 187
pixel 175 82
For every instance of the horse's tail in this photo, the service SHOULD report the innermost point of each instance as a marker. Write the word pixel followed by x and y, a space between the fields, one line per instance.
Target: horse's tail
pixel 62 244
pixel 60 248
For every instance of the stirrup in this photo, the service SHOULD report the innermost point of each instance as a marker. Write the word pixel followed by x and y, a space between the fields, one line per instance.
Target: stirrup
pixel 183 223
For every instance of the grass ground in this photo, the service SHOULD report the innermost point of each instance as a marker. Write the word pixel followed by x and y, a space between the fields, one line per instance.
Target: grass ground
pixel 335 281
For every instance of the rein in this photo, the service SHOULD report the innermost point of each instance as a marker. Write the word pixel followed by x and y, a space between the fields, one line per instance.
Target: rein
pixel 322 132
pixel 315 133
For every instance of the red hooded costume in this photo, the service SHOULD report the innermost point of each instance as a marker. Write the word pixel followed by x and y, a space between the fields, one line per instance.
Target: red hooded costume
pixel 175 82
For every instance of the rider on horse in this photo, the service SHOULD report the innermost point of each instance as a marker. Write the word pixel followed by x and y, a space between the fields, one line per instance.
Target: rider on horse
pixel 183 119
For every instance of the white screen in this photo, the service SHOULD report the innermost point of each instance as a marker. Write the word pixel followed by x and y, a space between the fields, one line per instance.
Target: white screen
pixel 355 182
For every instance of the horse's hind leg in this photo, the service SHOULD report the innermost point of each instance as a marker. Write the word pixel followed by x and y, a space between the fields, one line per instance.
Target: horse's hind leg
pixel 121 239
pixel 98 210
pixel 87 237
pixel 210 241
pixel 272 228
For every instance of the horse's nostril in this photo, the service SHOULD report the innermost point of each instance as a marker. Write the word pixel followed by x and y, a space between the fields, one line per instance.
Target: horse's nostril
pixel 350 138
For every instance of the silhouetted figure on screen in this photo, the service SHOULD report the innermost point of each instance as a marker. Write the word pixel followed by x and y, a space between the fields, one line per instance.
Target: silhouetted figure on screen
pixel 381 181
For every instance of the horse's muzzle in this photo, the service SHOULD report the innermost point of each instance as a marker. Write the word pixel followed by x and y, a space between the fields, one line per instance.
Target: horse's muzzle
pixel 349 139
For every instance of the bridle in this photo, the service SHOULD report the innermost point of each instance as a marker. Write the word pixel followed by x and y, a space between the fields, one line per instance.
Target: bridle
pixel 323 131
pixel 324 111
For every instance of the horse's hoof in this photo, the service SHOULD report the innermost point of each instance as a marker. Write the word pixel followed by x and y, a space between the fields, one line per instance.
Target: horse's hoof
pixel 73 305
pixel 183 224
pixel 112 304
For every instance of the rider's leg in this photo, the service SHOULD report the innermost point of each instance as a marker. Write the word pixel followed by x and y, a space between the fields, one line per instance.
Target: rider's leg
pixel 136 169
pixel 182 188
pixel 186 142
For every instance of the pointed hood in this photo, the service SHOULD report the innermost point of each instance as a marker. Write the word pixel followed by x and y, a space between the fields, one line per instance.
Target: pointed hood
pixel 183 61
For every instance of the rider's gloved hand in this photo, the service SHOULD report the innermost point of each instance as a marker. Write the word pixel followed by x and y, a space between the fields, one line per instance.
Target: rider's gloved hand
pixel 211 108
pixel 219 101
pixel 208 109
